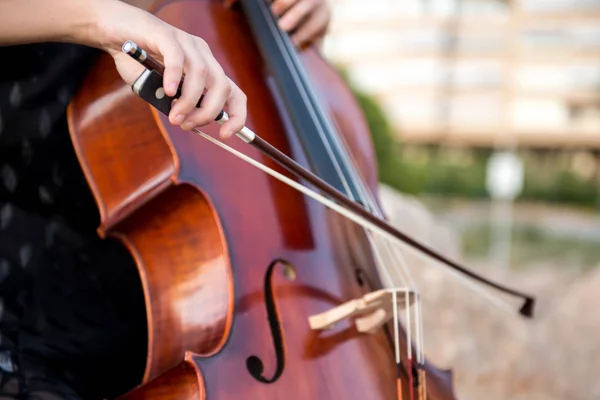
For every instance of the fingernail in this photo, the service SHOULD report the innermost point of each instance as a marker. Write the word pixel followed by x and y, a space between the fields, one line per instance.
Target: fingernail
pixel 188 125
pixel 178 119
pixel 172 87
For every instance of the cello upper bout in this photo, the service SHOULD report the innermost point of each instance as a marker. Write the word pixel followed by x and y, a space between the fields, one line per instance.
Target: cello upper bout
pixel 112 130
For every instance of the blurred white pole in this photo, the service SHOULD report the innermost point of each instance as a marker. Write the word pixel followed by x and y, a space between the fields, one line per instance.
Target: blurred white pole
pixel 501 233
pixel 504 181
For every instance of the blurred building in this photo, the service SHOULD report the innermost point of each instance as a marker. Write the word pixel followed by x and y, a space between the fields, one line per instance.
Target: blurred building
pixel 476 71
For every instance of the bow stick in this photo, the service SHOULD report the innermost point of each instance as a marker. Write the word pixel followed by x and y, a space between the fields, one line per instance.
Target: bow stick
pixel 151 81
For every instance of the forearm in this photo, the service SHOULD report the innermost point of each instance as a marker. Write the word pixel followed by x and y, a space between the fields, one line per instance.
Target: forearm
pixel 30 21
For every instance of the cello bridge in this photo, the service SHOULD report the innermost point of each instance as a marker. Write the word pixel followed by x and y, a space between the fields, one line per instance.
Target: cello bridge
pixel 370 311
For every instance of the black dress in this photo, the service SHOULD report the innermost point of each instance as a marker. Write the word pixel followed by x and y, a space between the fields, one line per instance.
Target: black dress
pixel 72 318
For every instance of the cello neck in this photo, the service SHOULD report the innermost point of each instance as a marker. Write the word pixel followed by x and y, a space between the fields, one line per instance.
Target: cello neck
pixel 313 126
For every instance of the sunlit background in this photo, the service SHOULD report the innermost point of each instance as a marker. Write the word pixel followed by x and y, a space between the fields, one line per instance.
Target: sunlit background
pixel 451 88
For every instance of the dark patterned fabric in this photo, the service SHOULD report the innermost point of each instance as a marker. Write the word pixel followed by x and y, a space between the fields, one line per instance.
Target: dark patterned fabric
pixel 72 318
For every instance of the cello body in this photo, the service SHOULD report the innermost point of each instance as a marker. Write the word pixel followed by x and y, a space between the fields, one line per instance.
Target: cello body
pixel 233 262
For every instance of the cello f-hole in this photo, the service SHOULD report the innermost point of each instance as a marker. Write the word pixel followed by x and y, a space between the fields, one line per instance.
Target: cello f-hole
pixel 362 278
pixel 254 364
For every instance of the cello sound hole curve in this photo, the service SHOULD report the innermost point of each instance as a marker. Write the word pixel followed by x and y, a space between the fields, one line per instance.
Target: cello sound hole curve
pixel 361 277
pixel 254 364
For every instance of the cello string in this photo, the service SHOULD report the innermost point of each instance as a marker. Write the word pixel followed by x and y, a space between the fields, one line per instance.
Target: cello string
pixel 399 262
pixel 409 328
pixel 419 348
pixel 407 310
pixel 419 343
pixel 292 63
pixel 421 355
pixel 396 333
pixel 404 274
pixel 293 66
pixel 379 258
pixel 402 270
pixel 294 73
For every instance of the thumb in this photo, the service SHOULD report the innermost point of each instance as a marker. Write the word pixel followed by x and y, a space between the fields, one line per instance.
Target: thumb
pixel 128 68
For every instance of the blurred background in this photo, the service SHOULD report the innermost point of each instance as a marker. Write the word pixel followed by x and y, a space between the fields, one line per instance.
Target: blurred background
pixel 486 121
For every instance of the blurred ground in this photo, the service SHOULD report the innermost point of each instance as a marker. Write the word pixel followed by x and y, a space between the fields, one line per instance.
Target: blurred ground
pixel 497 355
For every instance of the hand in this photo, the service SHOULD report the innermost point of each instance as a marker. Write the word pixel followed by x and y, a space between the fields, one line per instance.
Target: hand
pixel 180 53
pixel 306 20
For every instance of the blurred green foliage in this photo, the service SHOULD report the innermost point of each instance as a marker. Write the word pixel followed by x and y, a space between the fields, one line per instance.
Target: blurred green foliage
pixel 460 172
pixel 392 168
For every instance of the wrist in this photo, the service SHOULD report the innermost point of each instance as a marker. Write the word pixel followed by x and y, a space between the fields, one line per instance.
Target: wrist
pixel 112 22
pixel 84 27
pixel 94 25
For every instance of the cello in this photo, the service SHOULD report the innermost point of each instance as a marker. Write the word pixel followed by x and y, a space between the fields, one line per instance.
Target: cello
pixel 253 290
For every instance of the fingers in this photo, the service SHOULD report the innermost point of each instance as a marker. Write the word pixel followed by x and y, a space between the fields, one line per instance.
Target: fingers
pixel 128 68
pixel 203 72
pixel 313 29
pixel 281 6
pixel 218 90
pixel 237 112
pixel 173 57
pixel 305 20
pixel 295 15
pixel 196 76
